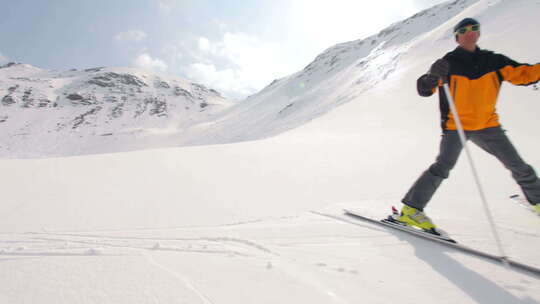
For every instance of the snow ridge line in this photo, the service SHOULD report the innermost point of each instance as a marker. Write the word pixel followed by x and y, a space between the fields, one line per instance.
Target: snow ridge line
pixel 530 270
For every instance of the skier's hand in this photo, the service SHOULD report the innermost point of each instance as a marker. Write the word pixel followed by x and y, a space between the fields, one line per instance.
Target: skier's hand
pixel 440 69
pixel 430 81
pixel 426 84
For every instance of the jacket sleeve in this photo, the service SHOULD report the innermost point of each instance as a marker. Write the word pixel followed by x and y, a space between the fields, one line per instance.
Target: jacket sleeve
pixel 427 85
pixel 519 73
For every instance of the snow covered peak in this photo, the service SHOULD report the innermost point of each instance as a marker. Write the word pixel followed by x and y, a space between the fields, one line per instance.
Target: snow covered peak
pixel 19 70
pixel 75 112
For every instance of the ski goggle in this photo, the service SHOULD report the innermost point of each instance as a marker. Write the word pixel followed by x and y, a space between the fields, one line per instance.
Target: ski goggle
pixel 468 28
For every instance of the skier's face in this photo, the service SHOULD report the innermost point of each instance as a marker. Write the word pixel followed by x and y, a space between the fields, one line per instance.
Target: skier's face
pixel 469 38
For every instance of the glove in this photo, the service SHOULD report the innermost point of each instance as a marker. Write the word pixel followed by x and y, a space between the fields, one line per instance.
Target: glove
pixel 440 69
pixel 426 83
pixel 429 81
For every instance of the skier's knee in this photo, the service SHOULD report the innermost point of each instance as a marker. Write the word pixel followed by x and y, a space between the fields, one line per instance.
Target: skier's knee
pixel 439 171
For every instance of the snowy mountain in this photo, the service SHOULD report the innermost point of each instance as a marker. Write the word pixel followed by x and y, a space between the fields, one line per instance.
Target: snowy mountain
pixel 117 109
pixel 262 221
pixel 47 113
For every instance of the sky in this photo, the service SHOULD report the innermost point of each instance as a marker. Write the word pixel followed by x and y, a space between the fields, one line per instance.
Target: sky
pixel 234 46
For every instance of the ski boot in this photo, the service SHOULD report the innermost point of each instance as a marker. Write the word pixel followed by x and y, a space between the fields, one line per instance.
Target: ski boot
pixel 537 208
pixel 414 217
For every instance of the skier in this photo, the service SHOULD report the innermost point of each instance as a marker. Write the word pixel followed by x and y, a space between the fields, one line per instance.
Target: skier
pixel 475 77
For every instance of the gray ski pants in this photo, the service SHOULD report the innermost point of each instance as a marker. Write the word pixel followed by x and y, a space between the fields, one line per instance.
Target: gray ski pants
pixel 493 141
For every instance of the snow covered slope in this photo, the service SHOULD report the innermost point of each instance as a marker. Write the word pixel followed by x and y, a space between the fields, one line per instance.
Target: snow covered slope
pixel 49 113
pixel 341 74
pixel 233 223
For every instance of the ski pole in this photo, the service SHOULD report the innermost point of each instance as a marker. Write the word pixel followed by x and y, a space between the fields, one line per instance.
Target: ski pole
pixel 463 139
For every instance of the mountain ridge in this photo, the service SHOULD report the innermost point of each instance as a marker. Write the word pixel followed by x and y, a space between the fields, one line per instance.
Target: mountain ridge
pixel 96 102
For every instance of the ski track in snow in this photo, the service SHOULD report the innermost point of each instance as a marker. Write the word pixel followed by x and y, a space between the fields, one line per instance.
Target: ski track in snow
pixel 84 244
pixel 100 244
pixel 49 244
pixel 211 245
pixel 189 284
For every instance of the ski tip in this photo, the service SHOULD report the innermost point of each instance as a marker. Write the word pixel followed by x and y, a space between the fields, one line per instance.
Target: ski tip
pixel 446 238
pixel 442 235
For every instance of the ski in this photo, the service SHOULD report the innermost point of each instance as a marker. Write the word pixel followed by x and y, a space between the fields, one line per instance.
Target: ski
pixel 437 239
pixel 390 221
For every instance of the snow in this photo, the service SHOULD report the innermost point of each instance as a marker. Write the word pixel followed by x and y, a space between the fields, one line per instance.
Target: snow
pixel 256 217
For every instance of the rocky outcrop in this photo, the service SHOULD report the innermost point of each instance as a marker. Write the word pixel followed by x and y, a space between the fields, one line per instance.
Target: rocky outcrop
pixel 112 79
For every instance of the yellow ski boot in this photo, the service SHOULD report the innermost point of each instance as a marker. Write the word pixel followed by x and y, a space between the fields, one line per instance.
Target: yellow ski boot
pixel 415 217
pixel 537 208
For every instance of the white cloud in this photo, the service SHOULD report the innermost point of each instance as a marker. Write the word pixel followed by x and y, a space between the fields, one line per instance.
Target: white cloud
pixel 238 65
pixel 204 44
pixel 227 81
pixel 166 6
pixel 145 61
pixel 131 36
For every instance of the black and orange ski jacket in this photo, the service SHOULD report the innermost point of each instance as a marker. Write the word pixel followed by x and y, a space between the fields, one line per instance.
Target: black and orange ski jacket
pixel 475 81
